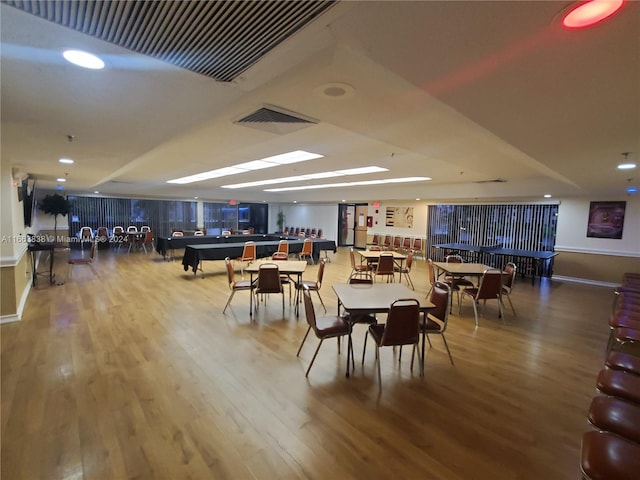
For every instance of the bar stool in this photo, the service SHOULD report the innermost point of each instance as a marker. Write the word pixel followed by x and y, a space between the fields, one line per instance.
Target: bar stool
pixel 615 415
pixel 608 456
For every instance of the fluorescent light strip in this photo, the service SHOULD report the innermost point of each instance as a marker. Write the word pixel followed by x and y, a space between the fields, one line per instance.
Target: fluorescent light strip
pixel 310 176
pixel 350 184
pixel 274 161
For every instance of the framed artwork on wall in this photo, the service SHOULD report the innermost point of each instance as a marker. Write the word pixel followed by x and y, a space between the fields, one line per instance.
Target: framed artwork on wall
pixel 401 217
pixel 606 220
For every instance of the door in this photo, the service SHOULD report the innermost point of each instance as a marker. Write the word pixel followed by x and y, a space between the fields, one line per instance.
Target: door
pixel 360 231
pixel 352 225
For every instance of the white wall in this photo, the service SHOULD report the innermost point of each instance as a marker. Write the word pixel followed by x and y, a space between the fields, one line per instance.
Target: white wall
pixel 573 215
pixel 307 216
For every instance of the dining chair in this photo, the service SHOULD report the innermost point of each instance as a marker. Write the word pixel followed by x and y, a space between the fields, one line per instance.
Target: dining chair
pixel 198 233
pixel 118 236
pixel 307 250
pixel 147 241
pixel 386 267
pixel 406 245
pixel 356 268
pixel 145 229
pixel 268 282
pixel 329 326
pixel 88 261
pixel 405 269
pixel 508 279
pixel 605 455
pixel 226 233
pixel 457 280
pixel 490 288
pixel 387 244
pixel 102 236
pixel 248 255
pixel 312 285
pixel 401 328
pixel 177 233
pixel 362 278
pixel 132 229
pixel 437 318
pixel 397 243
pixel 235 285
pixel 284 278
pixel 283 246
pixel 416 247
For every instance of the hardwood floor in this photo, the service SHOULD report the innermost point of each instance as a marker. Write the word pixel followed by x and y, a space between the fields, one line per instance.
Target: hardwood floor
pixel 137 374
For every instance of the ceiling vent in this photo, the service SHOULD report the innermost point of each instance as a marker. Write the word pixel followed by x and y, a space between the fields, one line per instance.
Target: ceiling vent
pixel 495 180
pixel 219 39
pixel 275 120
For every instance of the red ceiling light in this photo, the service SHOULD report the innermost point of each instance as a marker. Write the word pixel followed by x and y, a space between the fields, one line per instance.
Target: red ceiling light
pixel 591 12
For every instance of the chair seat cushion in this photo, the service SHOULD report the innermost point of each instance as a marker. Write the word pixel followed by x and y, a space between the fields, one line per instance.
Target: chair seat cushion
pixel 313 285
pixel 360 318
pixel 623 361
pixel 619 384
pixel 376 330
pixel 432 326
pixel 616 415
pixel 332 326
pixel 625 321
pixel 243 285
pixel 608 456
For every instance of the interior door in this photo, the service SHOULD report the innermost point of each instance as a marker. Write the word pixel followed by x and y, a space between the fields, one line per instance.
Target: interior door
pixel 360 230
pixel 346 224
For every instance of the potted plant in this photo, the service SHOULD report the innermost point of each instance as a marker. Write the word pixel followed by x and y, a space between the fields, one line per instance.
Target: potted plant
pixel 280 220
pixel 55 205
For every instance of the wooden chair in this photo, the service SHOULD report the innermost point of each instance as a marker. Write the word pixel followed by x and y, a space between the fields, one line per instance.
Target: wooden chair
pixel 235 286
pixel 332 326
pixel 402 328
pixel 88 261
pixel 490 288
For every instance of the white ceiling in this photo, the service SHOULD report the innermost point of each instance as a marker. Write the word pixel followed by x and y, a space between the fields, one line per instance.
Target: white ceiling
pixel 460 91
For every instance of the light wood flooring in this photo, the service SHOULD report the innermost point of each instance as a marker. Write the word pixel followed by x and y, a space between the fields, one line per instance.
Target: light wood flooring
pixel 138 374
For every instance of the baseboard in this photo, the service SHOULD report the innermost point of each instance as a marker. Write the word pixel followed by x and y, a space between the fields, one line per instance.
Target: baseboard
pixel 16 317
pixel 585 281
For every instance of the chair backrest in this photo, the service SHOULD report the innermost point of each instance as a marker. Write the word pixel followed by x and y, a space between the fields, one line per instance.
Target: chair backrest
pixel 454 259
pixel 117 230
pixel 226 232
pixel 360 278
pixel 307 246
pixel 102 232
pixel 246 232
pixel 145 228
pixel 319 233
pixel 309 311
pixel 86 232
pixel 321 271
pixel 417 244
pixel 387 241
pixel 132 229
pixel 441 298
pixel 249 251
pixel 177 234
pixel 352 258
pixel 431 271
pixel 403 323
pixel 376 239
pixel 92 250
pixel 490 284
pixel 509 276
pixel 397 242
pixel 385 264
pixel 409 261
pixel 269 279
pixel 148 237
pixel 230 272
pixel 279 256
pixel 406 244
pixel 283 246
pixel 198 233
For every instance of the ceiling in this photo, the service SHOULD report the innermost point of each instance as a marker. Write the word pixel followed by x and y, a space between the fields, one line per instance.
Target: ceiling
pixel 463 92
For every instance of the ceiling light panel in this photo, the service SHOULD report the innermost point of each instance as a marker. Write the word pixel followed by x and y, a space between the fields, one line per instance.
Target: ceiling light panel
pixel 350 184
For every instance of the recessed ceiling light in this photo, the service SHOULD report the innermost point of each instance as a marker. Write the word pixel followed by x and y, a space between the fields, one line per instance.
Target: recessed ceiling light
pixel 61 179
pixel 417 199
pixel 589 13
pixel 83 59
pixel 547 195
pixel 65 160
pixel 632 190
pixel 96 192
pixel 626 166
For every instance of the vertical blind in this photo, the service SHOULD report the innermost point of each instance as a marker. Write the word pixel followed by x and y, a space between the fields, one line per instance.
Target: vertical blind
pixel 163 216
pixel 526 227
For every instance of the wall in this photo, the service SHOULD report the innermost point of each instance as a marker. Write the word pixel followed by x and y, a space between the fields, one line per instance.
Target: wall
pixel 307 216
pixel 598 260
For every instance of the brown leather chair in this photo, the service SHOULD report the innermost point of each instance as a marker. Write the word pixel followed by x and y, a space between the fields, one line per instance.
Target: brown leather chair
pixel 405 269
pixel 234 285
pixel 312 285
pixel 248 255
pixel 269 282
pixel 490 288
pixel 606 456
pixel 361 278
pixel 623 361
pixel 436 320
pixel 332 326
pixel 356 268
pixel 284 278
pixel 307 250
pixel 615 415
pixel 83 261
pixel 402 328
pixel 386 267
pixel 508 279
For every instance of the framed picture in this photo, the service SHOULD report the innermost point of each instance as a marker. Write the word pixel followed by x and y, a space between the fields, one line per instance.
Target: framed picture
pixel 399 217
pixel 606 220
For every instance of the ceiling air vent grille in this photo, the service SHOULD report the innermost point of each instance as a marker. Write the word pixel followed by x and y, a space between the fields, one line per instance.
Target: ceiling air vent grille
pixel 495 180
pixel 275 121
pixel 219 39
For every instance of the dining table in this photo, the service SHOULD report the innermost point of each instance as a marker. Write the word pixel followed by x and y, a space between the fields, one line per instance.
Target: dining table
pixel 373 256
pixel 376 298
pixel 286 267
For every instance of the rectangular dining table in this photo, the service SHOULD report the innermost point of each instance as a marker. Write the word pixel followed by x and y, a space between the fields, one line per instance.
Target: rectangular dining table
pixel 375 298
pixel 374 255
pixel 286 267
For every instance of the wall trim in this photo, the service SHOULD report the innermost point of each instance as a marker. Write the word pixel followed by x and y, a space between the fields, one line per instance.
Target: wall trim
pixel 584 281
pixel 12 261
pixel 9 319
pixel 560 248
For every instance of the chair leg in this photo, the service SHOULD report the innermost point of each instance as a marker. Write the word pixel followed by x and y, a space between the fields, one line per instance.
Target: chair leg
pixel 511 303
pixel 475 310
pixel 314 357
pixel 447 347
pixel 233 292
pixel 378 362
pixel 364 349
pixel 303 340
pixel 321 302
